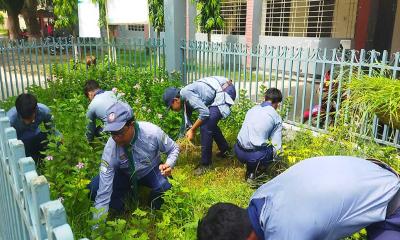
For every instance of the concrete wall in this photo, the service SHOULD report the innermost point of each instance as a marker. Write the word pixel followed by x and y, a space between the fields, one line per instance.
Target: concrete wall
pixel 396 31
pixel 221 38
pixel 344 20
pixel 301 42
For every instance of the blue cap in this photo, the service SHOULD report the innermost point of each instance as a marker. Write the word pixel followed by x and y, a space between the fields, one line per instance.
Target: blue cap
pixel 169 95
pixel 117 116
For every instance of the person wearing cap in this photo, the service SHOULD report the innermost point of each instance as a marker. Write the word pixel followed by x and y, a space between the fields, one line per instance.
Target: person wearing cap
pixel 132 156
pixel 212 97
pixel 100 101
pixel 26 117
pixel 260 138
pixel 327 197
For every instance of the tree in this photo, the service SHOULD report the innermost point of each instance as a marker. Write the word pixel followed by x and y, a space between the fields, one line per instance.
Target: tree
pixel 156 15
pixel 29 12
pixel 209 17
pixel 66 12
pixel 1 19
pixel 13 8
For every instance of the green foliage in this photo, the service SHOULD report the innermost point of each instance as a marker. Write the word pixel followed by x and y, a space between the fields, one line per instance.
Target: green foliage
pixel 1 19
pixel 209 17
pixel 374 95
pixel 156 14
pixel 66 12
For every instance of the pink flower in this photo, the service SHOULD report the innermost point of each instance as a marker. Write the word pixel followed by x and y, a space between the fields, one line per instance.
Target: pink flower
pixel 49 158
pixel 61 199
pixel 114 90
pixel 80 165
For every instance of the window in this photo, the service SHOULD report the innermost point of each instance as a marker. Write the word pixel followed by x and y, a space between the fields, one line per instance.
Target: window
pixel 277 16
pixel 320 18
pixel 136 27
pixel 309 18
pixel 234 14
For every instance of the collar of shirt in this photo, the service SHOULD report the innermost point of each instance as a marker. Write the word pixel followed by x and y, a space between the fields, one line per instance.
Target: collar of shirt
pixel 254 211
pixel 265 104
pixel 100 91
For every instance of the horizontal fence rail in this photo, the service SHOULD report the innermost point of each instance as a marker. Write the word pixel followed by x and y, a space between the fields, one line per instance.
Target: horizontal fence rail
pixel 27 63
pixel 26 209
pixel 302 73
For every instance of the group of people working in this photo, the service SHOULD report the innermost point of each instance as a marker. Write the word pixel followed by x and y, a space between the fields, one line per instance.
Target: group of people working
pixel 318 198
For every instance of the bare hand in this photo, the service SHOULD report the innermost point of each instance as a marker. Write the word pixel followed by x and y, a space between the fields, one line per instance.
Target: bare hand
pixel 190 134
pixel 165 169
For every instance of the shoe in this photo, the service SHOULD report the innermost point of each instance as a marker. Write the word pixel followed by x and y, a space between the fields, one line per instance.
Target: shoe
pixel 201 169
pixel 251 179
pixel 224 154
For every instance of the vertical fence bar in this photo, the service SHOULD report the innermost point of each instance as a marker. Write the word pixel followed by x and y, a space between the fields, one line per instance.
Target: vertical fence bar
pixel 30 59
pixel 25 65
pixel 270 67
pixel 321 89
pixel 277 66
pixel 257 69
pixel 21 76
pixel 312 87
pixel 297 84
pixel 305 84
pixel 15 70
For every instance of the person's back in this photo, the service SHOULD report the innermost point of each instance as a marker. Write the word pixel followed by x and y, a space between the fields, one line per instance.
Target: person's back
pixel 325 198
pixel 100 103
pixel 259 126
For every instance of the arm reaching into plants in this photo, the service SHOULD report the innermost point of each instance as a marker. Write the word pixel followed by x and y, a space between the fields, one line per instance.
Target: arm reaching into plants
pixel 91 127
pixel 168 146
pixel 276 139
pixel 191 132
pixel 103 197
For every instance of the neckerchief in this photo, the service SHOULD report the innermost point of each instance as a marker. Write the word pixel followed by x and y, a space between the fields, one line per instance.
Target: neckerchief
pixel 128 151
pixel 254 211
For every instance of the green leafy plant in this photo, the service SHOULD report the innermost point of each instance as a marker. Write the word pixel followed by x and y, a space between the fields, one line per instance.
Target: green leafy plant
pixel 209 17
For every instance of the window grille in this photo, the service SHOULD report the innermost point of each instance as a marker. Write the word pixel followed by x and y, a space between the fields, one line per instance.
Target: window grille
pixel 234 14
pixel 136 27
pixel 309 18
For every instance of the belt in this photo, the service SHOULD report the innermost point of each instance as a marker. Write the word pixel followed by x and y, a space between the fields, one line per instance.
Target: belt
pixel 252 150
pixel 394 203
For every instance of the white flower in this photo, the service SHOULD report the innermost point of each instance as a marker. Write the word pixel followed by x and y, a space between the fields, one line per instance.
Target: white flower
pixel 80 165
pixel 61 199
pixel 160 116
pixel 114 90
pixel 49 158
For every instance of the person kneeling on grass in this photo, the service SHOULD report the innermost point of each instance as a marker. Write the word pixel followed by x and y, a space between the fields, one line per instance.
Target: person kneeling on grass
pixel 328 197
pixel 212 97
pixel 260 138
pixel 26 117
pixel 100 101
pixel 132 154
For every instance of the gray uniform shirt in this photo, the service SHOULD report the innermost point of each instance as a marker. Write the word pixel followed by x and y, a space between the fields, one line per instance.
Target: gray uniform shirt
pixel 97 110
pixel 261 124
pixel 201 94
pixel 325 198
pixel 24 131
pixel 151 141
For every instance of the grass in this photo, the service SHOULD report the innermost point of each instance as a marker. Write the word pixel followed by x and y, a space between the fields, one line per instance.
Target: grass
pixel 3 32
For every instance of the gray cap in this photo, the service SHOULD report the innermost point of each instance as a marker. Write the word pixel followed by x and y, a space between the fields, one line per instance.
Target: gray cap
pixel 169 95
pixel 117 116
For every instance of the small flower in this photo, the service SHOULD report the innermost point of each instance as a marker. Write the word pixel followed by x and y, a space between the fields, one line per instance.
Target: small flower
pixel 49 158
pixel 160 116
pixel 122 94
pixel 136 101
pixel 149 110
pixel 61 199
pixel 80 165
pixel 114 90
pixel 144 108
pixel 137 86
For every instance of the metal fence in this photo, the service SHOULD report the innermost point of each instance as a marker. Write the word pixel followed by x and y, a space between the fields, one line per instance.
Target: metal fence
pixel 303 74
pixel 23 63
pixel 26 209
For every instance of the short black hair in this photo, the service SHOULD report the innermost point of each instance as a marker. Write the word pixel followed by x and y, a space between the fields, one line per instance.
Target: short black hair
pixel 224 221
pixel 274 95
pixel 26 105
pixel 91 85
